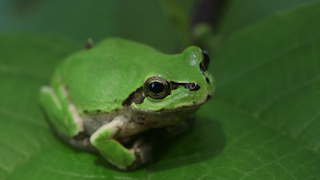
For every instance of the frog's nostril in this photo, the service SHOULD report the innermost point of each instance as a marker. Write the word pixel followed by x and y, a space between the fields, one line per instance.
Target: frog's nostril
pixel 204 74
pixel 208 81
pixel 209 97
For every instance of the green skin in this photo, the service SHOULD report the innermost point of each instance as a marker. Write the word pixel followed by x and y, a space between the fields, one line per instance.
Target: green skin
pixel 88 90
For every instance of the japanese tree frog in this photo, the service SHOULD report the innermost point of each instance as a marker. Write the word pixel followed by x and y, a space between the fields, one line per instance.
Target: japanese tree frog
pixel 104 96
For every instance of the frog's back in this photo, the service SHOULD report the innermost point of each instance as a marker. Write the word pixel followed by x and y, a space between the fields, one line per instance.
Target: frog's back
pixel 101 78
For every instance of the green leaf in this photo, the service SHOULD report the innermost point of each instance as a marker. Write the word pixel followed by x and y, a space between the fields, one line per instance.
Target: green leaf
pixel 262 123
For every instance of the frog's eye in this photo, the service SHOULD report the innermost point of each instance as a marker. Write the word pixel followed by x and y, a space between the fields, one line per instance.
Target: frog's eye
pixel 156 87
pixel 204 65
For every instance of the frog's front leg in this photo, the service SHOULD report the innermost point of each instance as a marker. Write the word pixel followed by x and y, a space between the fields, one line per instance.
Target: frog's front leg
pixel 61 112
pixel 114 151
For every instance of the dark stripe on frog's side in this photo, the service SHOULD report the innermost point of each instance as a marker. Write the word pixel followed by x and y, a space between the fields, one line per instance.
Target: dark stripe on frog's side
pixel 137 97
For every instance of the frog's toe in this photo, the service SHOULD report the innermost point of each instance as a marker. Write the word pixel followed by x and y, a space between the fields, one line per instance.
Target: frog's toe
pixel 142 151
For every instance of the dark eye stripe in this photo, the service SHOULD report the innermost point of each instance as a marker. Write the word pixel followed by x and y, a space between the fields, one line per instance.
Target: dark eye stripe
pixel 191 86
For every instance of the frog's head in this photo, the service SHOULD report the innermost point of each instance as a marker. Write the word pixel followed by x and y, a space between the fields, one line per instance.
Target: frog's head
pixel 175 86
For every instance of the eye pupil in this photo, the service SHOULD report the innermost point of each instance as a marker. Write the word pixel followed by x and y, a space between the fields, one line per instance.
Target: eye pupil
pixel 156 87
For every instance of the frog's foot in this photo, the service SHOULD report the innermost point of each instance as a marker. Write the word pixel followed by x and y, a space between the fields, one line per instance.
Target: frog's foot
pixel 113 151
pixel 143 151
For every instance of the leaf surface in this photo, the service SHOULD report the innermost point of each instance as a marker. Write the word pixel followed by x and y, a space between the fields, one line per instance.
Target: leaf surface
pixel 262 123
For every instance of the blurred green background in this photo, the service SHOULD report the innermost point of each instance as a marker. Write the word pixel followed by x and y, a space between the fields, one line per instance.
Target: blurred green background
pixel 142 20
pixel 262 123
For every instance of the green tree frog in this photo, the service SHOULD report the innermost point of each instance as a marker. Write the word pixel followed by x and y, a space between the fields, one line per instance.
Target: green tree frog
pixel 102 97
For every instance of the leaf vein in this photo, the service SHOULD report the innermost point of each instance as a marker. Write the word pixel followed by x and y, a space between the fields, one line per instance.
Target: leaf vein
pixel 305 126
pixel 21 118
pixel 296 89
pixel 263 122
pixel 272 162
